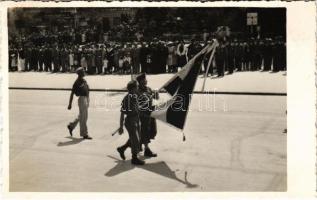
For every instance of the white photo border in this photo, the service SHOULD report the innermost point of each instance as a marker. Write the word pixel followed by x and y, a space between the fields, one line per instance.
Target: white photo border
pixel 301 101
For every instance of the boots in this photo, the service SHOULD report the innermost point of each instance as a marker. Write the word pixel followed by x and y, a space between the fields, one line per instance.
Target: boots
pixel 122 149
pixel 149 153
pixel 70 130
pixel 121 152
pixel 136 161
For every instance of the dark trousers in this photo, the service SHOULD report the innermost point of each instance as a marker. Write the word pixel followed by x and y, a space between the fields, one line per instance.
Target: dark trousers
pixel 230 65
pixel 99 65
pixel 267 63
pixel 253 63
pixel 276 64
pixel 41 62
pixel 56 65
pixel 169 68
pixel 172 68
pixel 132 127
pixel 257 62
pixel 27 64
pixel 238 63
pixel 220 67
pixel 136 68
pixel 64 65
pixel 34 65
pixel 48 65
pixel 143 67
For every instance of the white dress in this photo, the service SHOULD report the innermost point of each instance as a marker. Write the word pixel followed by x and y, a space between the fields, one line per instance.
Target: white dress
pixel 21 64
pixel 83 63
pixel 71 59
pixel 14 61
pixel 121 63
pixel 105 63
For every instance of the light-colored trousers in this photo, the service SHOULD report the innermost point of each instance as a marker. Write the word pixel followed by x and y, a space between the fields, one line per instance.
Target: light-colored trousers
pixel 82 117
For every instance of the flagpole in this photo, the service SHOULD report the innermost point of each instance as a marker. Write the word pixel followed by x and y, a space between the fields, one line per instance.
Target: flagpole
pixel 208 66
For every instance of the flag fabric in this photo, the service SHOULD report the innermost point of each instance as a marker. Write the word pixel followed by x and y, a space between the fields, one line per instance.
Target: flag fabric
pixel 180 87
pixel 175 82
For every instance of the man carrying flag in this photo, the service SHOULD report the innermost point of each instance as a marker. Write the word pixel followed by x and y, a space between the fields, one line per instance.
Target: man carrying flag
pixel 148 124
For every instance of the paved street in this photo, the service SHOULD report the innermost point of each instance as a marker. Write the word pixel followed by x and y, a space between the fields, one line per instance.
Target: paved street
pixel 233 143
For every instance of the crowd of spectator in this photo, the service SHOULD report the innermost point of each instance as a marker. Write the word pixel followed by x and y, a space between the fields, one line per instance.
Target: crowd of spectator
pixel 144 43
pixel 153 41
pixel 157 56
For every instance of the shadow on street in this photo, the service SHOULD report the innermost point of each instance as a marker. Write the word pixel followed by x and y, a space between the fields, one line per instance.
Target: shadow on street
pixel 71 142
pixel 160 168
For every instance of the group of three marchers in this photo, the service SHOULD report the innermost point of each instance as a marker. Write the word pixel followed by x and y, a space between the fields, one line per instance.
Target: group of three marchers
pixel 134 115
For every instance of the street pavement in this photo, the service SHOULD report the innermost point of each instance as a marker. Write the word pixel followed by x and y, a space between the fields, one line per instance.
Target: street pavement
pixel 233 143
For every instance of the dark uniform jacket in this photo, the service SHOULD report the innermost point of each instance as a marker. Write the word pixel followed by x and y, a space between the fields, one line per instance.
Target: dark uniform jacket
pixel 48 55
pixel 148 124
pixel 129 107
pixel 80 87
pixel 99 57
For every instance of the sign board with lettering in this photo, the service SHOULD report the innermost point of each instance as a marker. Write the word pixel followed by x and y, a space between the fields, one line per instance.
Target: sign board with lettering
pixel 252 19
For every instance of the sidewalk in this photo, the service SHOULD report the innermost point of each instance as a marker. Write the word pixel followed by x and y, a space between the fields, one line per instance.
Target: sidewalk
pixel 237 82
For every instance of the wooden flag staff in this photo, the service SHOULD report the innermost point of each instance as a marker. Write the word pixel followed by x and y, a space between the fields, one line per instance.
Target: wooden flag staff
pixel 208 66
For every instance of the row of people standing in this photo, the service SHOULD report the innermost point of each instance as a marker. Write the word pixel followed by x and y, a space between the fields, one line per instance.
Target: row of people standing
pixel 148 57
pixel 93 58
pixel 151 58
pixel 255 55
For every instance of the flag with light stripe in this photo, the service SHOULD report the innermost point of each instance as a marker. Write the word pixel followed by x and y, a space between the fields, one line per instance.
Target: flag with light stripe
pixel 180 87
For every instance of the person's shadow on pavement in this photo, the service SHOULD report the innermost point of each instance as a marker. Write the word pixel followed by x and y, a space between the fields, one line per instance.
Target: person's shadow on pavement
pixel 71 142
pixel 160 168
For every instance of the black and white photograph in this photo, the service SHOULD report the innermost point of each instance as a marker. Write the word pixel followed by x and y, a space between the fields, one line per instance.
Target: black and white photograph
pixel 147 99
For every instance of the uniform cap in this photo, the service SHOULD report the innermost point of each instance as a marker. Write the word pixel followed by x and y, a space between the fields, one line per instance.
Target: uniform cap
pixel 169 43
pixel 140 77
pixel 80 69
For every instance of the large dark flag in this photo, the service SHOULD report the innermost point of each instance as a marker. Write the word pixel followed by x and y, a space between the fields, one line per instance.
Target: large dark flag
pixel 180 87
